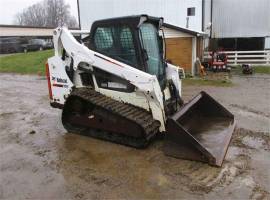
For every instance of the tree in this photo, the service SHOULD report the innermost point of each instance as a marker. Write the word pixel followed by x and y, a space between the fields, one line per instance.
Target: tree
pixel 47 13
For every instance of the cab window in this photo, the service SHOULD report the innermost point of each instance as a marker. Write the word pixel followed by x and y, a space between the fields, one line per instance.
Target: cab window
pixel 116 42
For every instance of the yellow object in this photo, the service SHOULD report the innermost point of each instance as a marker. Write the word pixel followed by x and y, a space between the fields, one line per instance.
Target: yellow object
pixel 202 71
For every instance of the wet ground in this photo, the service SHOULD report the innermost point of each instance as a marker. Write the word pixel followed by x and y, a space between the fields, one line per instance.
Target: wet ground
pixel 39 160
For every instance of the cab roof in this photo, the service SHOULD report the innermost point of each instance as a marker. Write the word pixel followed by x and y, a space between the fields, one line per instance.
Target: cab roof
pixel 133 20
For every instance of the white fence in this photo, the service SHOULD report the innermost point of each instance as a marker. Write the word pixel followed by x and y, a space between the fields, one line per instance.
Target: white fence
pixel 248 57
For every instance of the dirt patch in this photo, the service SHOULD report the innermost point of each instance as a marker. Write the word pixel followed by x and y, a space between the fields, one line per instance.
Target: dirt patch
pixel 259 194
pixel 251 140
pixel 250 110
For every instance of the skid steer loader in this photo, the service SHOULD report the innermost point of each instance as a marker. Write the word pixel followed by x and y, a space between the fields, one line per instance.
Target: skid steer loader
pixel 119 88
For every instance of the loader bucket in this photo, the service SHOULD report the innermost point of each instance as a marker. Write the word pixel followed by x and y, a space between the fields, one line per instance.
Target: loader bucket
pixel 200 131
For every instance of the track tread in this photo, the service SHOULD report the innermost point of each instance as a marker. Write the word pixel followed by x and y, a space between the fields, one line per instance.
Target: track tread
pixel 130 112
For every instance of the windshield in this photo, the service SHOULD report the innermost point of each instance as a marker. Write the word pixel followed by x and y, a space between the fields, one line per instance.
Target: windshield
pixel 151 43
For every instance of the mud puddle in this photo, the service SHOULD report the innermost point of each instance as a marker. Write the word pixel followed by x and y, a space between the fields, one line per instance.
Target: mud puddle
pixel 150 174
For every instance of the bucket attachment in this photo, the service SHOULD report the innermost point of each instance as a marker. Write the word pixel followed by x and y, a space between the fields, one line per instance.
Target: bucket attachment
pixel 200 131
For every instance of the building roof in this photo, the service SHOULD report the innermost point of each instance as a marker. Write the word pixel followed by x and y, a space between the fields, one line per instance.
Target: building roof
pixel 22 26
pixel 18 30
pixel 185 30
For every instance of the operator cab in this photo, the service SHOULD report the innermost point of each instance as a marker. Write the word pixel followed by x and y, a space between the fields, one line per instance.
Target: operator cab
pixel 133 40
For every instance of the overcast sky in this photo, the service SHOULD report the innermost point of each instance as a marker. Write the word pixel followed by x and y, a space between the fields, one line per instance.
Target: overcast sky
pixel 9 8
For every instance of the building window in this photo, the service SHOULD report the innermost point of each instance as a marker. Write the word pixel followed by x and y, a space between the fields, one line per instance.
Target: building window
pixel 191 11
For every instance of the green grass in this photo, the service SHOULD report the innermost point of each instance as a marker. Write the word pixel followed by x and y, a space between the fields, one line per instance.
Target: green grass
pixel 200 81
pixel 256 69
pixel 25 63
pixel 262 69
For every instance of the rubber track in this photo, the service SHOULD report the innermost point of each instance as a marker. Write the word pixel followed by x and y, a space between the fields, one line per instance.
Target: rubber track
pixel 130 112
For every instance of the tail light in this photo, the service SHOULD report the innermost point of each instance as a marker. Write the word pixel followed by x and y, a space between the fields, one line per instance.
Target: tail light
pixel 49 80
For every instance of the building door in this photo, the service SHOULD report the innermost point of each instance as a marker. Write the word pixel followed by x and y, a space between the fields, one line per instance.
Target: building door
pixel 179 52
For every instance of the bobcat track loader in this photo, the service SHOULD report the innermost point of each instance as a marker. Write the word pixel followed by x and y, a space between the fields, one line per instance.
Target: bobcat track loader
pixel 118 87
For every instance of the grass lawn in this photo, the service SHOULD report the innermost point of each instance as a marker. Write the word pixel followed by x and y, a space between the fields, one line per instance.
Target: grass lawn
pixel 262 69
pixel 200 81
pixel 256 69
pixel 25 63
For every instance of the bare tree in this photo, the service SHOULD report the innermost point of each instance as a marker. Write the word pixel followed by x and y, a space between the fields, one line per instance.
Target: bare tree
pixel 47 13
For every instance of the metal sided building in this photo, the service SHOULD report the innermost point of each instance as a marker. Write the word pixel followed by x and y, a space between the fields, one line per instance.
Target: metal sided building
pixel 182 28
pixel 240 24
